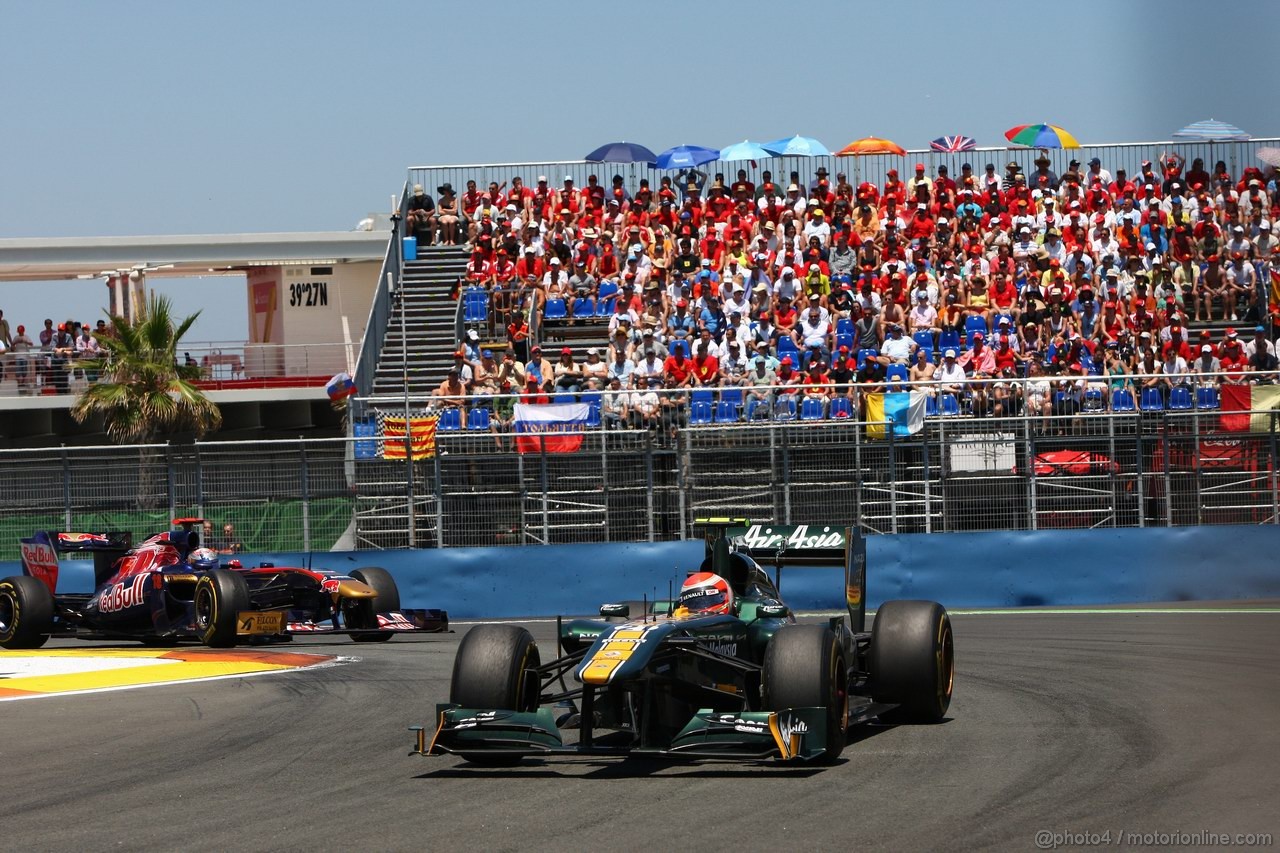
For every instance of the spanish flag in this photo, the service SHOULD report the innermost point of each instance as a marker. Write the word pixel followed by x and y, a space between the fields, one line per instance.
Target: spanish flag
pixel 422 436
pixel 1249 408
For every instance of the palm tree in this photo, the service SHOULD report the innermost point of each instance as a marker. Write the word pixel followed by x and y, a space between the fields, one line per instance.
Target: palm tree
pixel 142 391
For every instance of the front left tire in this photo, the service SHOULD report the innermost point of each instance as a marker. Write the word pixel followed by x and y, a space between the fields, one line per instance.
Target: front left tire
pixel 364 612
pixel 220 595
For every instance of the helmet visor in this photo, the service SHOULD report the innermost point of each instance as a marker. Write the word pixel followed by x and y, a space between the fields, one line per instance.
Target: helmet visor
pixel 703 598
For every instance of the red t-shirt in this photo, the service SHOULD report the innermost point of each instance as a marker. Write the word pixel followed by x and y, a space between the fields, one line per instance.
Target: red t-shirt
pixel 704 370
pixel 678 369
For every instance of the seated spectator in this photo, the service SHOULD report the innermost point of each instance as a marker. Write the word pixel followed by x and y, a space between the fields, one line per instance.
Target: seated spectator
pixel 447 216
pixel 420 215
pixel 788 385
pixel 644 408
pixel 733 367
pixel 923 316
pixel 979 362
pixel 950 375
pixel 452 392
pixel 614 405
pixel 594 367
pixel 897 348
pixel 567 373
pixel 1038 393
pixel 677 367
pixel 674 405
pixel 705 368
pixel 539 369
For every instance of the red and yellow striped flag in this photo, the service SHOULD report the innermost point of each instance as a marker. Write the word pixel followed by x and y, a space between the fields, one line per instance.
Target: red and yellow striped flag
pixel 422 436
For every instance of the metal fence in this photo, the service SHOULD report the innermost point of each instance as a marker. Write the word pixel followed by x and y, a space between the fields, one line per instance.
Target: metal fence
pixel 1125 155
pixel 1143 469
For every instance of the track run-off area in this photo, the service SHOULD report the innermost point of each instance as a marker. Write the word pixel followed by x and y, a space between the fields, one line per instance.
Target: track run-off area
pixel 1072 722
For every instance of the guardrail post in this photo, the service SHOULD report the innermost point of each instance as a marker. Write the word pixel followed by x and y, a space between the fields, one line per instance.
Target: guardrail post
pixel 546 500
pixel 437 484
pixel 604 477
pixel 928 492
pixel 1199 470
pixel 1275 495
pixel 171 480
pixel 524 498
pixel 66 489
pixel 786 476
pixel 1168 477
pixel 648 483
pixel 682 480
pixel 199 481
pixel 1033 512
pixel 1111 470
pixel 1141 475
pixel 304 478
pixel 893 477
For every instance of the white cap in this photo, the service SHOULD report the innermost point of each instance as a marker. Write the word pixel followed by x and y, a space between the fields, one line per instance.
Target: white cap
pixel 1150 246
pixel 944 221
pixel 592 351
pixel 788 271
pixel 706 262
pixel 1206 348
pixel 949 354
pixel 554 260
pixel 542 179
pixel 473 335
pixel 568 177
pixel 1265 225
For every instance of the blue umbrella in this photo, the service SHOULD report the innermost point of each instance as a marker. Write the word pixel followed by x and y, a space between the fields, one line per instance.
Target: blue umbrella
pixel 1212 130
pixel 797 146
pixel 744 150
pixel 621 152
pixel 685 157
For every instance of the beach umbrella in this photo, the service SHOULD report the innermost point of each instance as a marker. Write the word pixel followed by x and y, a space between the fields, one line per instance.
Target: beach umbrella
pixel 621 152
pixel 953 144
pixel 1211 130
pixel 1041 136
pixel 745 150
pixel 796 146
pixel 871 145
pixel 1270 156
pixel 685 157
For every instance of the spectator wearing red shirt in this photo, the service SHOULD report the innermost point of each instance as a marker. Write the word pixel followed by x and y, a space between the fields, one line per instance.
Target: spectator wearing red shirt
pixel 1235 362
pixel 677 367
pixel 704 367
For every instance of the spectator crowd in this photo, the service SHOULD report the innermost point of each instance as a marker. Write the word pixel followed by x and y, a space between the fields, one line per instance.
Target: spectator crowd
pixel 46 362
pixel 994 290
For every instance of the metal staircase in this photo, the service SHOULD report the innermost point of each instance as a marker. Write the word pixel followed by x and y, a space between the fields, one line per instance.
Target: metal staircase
pixel 428 329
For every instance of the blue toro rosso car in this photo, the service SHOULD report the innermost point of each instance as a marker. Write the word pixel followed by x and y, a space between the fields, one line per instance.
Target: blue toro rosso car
pixel 169 589
pixel 724 671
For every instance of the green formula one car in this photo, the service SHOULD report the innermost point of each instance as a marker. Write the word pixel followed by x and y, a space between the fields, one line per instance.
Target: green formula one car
pixel 722 672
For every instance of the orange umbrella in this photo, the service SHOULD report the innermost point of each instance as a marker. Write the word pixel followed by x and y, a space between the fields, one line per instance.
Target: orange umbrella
pixel 871 145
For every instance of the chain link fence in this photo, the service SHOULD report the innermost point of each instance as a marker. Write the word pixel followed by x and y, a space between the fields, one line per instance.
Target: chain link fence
pixel 1159 469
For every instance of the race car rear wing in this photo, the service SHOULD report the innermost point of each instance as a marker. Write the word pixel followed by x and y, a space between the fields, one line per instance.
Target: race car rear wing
pixel 796 545
pixel 40 553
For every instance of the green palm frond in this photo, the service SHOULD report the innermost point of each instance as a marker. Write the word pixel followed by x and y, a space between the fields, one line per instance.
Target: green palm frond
pixel 142 391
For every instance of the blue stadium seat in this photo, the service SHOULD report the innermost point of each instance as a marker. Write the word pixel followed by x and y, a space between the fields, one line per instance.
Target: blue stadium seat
pixel 584 308
pixel 607 289
pixel 1151 400
pixel 843 340
pixel 756 409
pixel 975 324
pixel 787 347
pixel 931 406
pixel 949 339
pixel 702 395
pixel 897 373
pixel 593 413
pixel 554 309
pixel 784 408
pixel 929 354
pixel 841 407
pixel 844 326
pixel 732 395
pixel 1093 400
pixel 1207 398
pixel 864 354
pixel 699 413
pixel 949 406
pixel 924 339
pixel 564 397
pixel 679 344
pixel 726 412
pixel 1122 400
pixel 1180 398
pixel 450 420
pixel 604 307
pixel 812 409
pixel 475 305
pixel 478 419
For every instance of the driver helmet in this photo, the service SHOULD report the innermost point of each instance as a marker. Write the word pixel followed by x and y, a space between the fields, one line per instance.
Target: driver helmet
pixel 204 558
pixel 706 593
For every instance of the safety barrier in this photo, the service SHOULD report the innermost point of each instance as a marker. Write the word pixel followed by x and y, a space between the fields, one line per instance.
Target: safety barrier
pixel 995 569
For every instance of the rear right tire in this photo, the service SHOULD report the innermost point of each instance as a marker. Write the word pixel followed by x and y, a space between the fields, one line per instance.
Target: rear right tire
pixel 912 660
pixel 26 613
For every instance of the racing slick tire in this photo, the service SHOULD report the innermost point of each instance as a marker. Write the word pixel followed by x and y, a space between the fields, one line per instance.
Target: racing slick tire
pixel 26 613
pixel 804 667
pixel 366 610
pixel 912 660
pixel 220 595
pixel 496 668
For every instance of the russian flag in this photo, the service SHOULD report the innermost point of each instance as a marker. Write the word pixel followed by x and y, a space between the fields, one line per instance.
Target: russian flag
pixel 558 426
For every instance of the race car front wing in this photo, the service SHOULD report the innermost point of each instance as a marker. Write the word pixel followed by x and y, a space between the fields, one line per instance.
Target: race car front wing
pixel 793 734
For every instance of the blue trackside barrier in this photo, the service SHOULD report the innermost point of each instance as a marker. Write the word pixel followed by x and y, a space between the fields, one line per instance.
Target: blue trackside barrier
pixel 998 569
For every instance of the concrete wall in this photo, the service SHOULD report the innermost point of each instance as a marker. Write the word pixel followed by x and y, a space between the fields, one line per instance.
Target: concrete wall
pixel 1011 569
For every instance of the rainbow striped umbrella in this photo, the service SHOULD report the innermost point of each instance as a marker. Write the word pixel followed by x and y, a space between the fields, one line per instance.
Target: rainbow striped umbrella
pixel 1041 136
pixel 953 144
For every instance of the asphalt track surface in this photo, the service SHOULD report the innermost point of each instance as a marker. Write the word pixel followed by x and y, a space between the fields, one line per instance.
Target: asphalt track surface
pixel 1137 721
